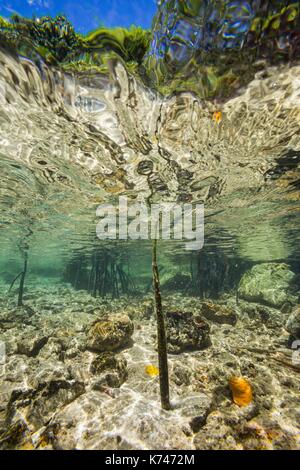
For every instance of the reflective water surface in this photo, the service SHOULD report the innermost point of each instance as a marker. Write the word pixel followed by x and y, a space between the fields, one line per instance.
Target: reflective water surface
pixel 210 115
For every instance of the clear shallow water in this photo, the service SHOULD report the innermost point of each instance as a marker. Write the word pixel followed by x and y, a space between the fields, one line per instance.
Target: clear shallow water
pixel 60 162
pixel 205 121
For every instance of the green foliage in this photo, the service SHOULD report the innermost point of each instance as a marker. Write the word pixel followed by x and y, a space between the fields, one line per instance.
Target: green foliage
pixel 55 36
pixel 55 40
pixel 130 44
pixel 136 43
pixel 8 35
pixel 4 23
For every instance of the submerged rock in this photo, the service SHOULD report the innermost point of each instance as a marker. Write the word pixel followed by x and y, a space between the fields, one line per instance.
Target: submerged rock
pixel 197 408
pixel 95 421
pixel 176 282
pixel 218 313
pixel 16 437
pixel 71 398
pixel 181 375
pixel 216 434
pixel 31 346
pixel 269 316
pixel 232 431
pixel 109 369
pixel 293 323
pixel 268 283
pixel 110 334
pixel 186 332
pixel 40 398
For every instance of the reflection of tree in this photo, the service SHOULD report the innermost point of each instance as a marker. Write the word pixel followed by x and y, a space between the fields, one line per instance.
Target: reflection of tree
pixel 56 41
pixel 56 35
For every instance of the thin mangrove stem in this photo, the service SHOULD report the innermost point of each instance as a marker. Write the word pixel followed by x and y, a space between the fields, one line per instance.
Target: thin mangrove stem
pixel 21 287
pixel 161 335
pixel 12 284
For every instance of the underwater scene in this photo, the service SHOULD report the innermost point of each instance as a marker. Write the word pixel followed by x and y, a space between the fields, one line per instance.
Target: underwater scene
pixel 150 229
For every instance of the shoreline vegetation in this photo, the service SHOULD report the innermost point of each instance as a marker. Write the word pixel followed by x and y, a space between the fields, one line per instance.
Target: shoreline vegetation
pixel 54 41
pixel 194 67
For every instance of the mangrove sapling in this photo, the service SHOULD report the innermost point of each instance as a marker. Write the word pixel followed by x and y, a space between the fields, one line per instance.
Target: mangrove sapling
pixel 22 280
pixel 13 282
pixel 24 249
pixel 22 276
pixel 161 335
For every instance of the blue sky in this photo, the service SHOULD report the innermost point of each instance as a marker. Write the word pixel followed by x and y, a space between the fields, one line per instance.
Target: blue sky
pixel 86 14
